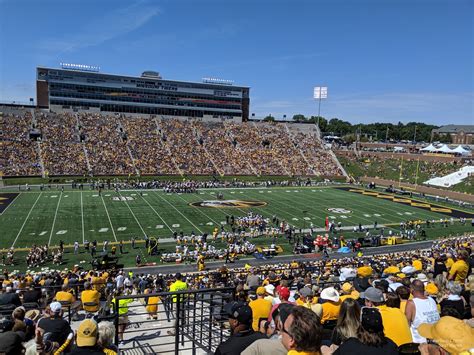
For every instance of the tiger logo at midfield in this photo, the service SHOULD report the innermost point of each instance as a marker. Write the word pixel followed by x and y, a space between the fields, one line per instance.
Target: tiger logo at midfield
pixel 228 204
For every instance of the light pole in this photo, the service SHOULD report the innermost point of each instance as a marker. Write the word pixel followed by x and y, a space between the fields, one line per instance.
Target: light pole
pixel 320 92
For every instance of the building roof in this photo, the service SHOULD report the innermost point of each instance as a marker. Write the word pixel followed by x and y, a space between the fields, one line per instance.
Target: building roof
pixel 452 128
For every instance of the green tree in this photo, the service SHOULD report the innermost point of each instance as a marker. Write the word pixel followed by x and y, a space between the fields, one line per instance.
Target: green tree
pixel 299 118
pixel 269 118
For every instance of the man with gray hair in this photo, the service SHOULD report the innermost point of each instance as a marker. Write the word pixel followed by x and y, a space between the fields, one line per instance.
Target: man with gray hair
pixel 421 309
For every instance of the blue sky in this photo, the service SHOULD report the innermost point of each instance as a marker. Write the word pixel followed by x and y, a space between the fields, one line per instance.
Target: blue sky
pixel 383 60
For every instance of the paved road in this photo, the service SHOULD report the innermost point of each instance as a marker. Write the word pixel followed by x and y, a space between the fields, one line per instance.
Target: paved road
pixel 172 268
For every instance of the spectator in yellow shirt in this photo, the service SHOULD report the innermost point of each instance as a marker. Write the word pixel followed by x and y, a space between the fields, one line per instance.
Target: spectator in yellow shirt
pixel 460 269
pixel 393 269
pixel 417 264
pixel 260 308
pixel 395 323
pixel 90 296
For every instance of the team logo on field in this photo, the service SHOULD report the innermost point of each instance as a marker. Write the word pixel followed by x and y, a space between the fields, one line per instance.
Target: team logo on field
pixel 339 210
pixel 122 198
pixel 228 204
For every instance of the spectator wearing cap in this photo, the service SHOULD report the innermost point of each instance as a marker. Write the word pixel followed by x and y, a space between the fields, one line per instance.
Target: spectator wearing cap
pixel 260 308
pixel 87 336
pixel 302 332
pixel 365 270
pixel 450 334
pixel 283 296
pixel 393 269
pixel 370 338
pixel 347 291
pixel 395 323
pixel 306 297
pixel 54 323
pixel 331 304
pixel 242 334
pixel 270 293
pixel 420 309
pixel 460 269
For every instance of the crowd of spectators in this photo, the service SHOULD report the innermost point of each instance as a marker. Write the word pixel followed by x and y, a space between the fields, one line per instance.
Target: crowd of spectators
pixel 19 152
pixel 354 305
pixel 85 143
pixel 61 148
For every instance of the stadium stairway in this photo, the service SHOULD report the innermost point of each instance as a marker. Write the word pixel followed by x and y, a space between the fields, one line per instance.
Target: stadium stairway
pixel 40 157
pixel 229 134
pixel 299 149
pixel 158 131
pixel 197 136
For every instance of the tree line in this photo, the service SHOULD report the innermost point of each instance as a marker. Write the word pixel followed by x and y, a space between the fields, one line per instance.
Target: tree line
pixel 372 131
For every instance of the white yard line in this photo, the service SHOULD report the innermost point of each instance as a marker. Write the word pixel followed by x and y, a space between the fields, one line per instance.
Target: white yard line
pixel 11 203
pixel 82 220
pixel 108 216
pixel 54 220
pixel 26 219
pixel 133 214
pixel 186 218
pixel 166 224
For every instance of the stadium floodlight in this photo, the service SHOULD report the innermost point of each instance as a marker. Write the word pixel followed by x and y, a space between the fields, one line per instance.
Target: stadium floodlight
pixel 319 93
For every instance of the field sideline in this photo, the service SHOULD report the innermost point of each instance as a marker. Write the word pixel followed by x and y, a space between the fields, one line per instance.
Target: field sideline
pixel 50 216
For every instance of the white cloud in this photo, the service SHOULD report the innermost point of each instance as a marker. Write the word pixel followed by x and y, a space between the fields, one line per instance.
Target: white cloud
pixel 109 26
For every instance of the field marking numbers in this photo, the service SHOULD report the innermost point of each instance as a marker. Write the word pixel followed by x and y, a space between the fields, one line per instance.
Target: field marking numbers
pixel 43 233
pixel 159 226
pixel 175 226
pixel 53 196
pixel 209 224
pixel 103 230
pixel 121 229
pixel 133 214
pixel 307 218
pixel 62 231
pixel 108 216
pixel 26 219
pixel 54 220
pixel 166 224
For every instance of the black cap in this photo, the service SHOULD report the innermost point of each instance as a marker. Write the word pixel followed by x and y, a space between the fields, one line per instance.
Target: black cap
pixel 239 311
pixel 179 276
pixel 371 319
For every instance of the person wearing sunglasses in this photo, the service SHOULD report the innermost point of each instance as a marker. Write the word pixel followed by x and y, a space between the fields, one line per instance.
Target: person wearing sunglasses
pixel 301 334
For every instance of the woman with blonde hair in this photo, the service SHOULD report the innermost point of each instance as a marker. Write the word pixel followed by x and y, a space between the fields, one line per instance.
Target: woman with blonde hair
pixel 347 323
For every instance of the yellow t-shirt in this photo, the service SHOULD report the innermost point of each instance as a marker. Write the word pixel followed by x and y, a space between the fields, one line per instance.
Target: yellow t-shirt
pixel 417 264
pixel 330 310
pixel 152 305
pixel 260 309
pixel 364 271
pixel 459 270
pixel 403 305
pixel 395 325
pixel 392 270
pixel 449 262
pixel 90 296
pixel 63 296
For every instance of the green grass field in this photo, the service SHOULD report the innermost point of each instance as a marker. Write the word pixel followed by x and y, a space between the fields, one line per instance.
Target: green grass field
pixel 49 216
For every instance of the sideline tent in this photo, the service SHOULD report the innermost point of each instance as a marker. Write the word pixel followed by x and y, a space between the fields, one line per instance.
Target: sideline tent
pixel 460 150
pixel 444 149
pixel 430 148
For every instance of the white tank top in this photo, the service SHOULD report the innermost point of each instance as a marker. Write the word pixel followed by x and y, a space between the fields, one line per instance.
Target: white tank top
pixel 426 312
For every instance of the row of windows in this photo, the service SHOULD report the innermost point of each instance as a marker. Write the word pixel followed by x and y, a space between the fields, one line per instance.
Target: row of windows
pixel 138 109
pixel 149 92
pixel 141 100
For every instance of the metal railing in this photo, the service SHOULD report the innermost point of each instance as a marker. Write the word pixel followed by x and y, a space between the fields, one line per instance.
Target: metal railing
pixel 183 321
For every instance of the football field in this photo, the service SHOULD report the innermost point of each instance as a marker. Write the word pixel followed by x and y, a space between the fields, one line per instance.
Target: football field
pixel 73 215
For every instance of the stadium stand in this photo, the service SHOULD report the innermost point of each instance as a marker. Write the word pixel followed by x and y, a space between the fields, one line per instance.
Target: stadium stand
pixel 84 143
pixel 193 308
